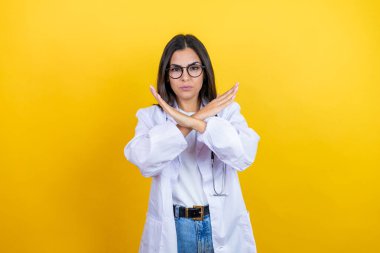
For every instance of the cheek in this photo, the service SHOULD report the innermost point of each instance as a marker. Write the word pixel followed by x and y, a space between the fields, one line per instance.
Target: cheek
pixel 200 82
pixel 173 83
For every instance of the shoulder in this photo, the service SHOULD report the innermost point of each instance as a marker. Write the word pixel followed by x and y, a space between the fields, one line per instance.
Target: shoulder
pixel 230 110
pixel 149 110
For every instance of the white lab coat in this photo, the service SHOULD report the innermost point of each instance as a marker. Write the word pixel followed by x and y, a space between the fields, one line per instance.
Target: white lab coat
pixel 155 150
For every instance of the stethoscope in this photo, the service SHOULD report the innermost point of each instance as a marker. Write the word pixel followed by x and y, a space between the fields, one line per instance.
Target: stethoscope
pixel 218 194
pixel 221 193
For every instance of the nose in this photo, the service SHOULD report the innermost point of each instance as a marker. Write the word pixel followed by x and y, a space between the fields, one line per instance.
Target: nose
pixel 185 76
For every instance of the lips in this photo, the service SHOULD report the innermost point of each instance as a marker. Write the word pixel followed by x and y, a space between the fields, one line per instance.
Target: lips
pixel 186 87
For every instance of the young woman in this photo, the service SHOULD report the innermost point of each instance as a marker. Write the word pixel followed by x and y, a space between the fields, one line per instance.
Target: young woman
pixel 193 143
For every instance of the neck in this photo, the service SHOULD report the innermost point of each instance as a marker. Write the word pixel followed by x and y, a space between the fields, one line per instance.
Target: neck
pixel 189 105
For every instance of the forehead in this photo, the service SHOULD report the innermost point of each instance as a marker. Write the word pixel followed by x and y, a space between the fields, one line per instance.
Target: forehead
pixel 184 57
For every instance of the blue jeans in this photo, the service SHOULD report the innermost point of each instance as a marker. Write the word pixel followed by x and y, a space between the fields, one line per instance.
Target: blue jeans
pixel 193 236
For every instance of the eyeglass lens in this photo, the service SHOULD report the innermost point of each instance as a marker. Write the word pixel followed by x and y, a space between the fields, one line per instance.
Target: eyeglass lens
pixel 194 70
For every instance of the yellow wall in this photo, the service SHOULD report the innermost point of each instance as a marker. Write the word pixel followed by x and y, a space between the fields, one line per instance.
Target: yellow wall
pixel 73 74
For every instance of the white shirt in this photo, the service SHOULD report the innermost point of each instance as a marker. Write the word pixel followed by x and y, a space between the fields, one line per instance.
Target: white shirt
pixel 189 188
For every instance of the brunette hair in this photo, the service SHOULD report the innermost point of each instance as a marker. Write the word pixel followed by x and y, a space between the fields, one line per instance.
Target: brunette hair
pixel 180 42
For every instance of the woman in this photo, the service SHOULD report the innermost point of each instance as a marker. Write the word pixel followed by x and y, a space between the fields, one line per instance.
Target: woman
pixel 193 143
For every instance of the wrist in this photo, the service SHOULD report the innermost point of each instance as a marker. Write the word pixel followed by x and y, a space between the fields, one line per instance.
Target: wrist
pixel 198 116
pixel 199 125
pixel 184 130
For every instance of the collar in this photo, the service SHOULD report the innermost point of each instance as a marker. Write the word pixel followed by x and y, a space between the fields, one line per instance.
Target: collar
pixel 203 103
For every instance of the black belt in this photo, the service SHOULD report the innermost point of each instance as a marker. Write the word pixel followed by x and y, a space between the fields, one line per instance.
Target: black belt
pixel 195 212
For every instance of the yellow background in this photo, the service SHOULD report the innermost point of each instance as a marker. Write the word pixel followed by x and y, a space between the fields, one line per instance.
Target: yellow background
pixel 73 74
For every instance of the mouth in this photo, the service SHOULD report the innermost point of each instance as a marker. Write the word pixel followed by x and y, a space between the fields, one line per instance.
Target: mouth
pixel 186 88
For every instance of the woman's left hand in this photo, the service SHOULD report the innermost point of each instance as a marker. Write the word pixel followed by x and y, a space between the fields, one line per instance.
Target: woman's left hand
pixel 180 118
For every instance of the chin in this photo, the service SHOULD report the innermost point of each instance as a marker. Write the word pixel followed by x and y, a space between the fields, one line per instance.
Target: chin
pixel 184 97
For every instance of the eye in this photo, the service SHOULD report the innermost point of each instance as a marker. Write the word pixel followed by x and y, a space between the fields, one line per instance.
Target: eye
pixel 194 68
pixel 175 69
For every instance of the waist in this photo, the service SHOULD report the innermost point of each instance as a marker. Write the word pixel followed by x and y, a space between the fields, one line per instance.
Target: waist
pixel 195 212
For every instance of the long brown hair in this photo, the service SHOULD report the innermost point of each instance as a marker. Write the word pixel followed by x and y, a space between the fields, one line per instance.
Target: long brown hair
pixel 180 42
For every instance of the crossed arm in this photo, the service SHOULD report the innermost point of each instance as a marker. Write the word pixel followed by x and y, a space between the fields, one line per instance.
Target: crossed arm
pixel 196 121
pixel 155 146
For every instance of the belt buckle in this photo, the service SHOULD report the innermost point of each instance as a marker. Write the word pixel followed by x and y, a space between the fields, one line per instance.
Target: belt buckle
pixel 202 213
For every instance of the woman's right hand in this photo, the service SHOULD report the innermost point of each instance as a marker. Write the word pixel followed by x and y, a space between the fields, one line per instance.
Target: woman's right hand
pixel 217 104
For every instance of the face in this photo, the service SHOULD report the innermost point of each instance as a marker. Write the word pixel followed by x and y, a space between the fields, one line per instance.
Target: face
pixel 186 87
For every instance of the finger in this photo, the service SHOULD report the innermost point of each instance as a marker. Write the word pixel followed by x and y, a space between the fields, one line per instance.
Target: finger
pixel 167 108
pixel 152 90
pixel 220 97
pixel 229 91
pixel 226 102
pixel 229 95
pixel 158 98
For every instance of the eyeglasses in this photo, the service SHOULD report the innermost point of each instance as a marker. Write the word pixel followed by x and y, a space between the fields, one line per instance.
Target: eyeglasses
pixel 194 70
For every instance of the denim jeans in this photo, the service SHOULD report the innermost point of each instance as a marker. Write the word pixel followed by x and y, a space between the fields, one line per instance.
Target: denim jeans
pixel 193 236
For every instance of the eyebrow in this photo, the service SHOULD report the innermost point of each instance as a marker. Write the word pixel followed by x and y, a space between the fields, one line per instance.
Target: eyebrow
pixel 187 64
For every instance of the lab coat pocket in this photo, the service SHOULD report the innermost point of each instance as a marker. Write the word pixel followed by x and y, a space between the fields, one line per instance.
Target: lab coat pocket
pixel 151 237
pixel 245 224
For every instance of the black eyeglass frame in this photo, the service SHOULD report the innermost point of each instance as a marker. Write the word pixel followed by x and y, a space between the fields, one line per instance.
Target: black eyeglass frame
pixel 187 69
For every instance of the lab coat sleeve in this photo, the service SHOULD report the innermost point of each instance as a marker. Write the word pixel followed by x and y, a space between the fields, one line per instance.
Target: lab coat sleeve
pixel 232 141
pixel 154 146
